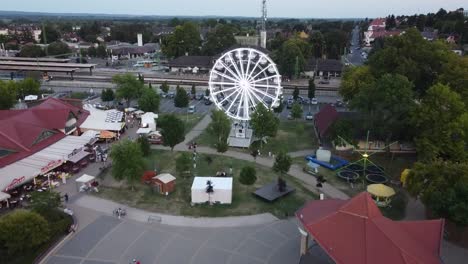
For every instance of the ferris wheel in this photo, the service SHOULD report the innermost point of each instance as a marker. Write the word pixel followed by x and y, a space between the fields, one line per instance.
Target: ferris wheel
pixel 243 78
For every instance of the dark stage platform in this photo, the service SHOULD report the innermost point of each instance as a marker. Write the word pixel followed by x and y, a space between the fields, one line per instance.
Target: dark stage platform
pixel 270 192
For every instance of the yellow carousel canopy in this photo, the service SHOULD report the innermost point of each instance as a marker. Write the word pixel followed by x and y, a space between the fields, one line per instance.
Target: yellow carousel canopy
pixel 107 134
pixel 380 190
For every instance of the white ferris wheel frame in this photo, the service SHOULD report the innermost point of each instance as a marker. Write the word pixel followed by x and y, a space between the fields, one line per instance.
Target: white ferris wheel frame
pixel 241 79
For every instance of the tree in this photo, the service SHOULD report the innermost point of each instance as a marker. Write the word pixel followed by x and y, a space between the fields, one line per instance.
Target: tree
pixel 128 87
pixel 296 93
pixel 193 91
pixel 29 86
pixel 49 34
pixel 248 175
pixel 22 230
pixel 264 122
pixel 390 22
pixel 183 163
pixel 101 51
pixel 165 87
pixel 311 90
pixel 144 145
pixel 181 98
pixel 282 163
pixel 127 161
pixel 454 74
pixel 442 187
pixel 219 40
pixel 386 106
pixel 354 79
pixel 32 51
pixel 8 93
pixel 107 95
pixel 318 44
pixel 296 111
pixel 185 39
pixel 289 56
pixel 59 48
pixel 44 201
pixel 220 128
pixel 441 122
pixel 172 130
pixel 149 101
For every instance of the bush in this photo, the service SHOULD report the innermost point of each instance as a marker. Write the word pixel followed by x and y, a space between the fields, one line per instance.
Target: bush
pixel 148 176
pixel 23 230
pixel 59 222
pixel 248 175
pixel 144 145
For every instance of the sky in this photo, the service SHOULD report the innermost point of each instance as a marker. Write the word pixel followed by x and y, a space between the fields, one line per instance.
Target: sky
pixel 246 8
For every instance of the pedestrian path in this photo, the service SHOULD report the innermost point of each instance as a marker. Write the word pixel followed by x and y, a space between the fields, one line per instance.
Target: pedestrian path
pixel 106 207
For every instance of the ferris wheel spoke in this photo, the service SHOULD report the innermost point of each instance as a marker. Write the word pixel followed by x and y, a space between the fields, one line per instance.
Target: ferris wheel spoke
pixel 248 64
pixel 224 83
pixel 225 90
pixel 233 101
pixel 235 65
pixel 266 78
pixel 241 101
pixel 258 98
pixel 264 93
pixel 225 76
pixel 233 74
pixel 249 75
pixel 260 72
pixel 247 98
pixel 227 97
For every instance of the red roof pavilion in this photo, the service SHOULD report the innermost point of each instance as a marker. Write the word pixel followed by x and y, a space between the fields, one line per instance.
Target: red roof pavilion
pixel 355 231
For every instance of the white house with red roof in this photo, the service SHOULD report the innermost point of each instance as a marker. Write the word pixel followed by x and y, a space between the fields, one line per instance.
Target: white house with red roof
pixel 377 29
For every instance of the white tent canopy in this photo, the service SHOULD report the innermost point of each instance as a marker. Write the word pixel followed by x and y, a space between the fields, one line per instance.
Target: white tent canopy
pixel 148 120
pixel 100 120
pixel 143 130
pixel 85 178
pixel 4 196
pixel 40 162
pixel 222 190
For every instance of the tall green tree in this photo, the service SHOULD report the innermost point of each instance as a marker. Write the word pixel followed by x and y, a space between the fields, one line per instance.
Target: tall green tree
pixel 128 87
pixel 282 163
pixel 42 202
pixel 220 128
pixel 386 106
pixel 354 79
pixel 443 187
pixel 8 93
pixel 185 39
pixel 288 56
pixel 296 93
pixel 127 162
pixel 165 87
pixel 296 111
pixel 49 34
pixel 32 51
pixel 149 101
pixel 219 40
pixel 23 230
pixel 181 98
pixel 441 122
pixel 264 122
pixel 172 130
pixel 311 90
pixel 59 48
pixel 107 95
pixel 454 74
pixel 144 145
pixel 193 91
pixel 29 86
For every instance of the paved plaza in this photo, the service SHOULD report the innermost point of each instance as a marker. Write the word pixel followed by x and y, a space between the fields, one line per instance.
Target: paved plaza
pixel 108 240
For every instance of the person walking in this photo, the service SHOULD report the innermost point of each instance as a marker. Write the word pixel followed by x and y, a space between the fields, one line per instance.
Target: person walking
pixel 65 197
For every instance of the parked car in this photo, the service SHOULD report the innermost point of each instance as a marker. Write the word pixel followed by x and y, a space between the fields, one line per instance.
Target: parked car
pixel 339 103
pixel 208 102
pixel 314 101
pixel 191 109
pixel 309 116
pixel 324 82
pixel 289 105
pixel 199 96
pixel 290 117
pixel 171 95
pixel 163 94
pixel 306 101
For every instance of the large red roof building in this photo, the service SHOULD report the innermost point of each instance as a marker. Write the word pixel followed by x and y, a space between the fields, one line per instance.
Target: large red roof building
pixel 25 132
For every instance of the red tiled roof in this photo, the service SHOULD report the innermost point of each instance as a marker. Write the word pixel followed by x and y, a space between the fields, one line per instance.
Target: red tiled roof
pixel 355 231
pixel 378 22
pixel 19 129
pixel 325 118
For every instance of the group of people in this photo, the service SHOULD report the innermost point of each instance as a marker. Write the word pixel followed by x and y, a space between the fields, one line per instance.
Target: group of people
pixel 193 146
pixel 120 212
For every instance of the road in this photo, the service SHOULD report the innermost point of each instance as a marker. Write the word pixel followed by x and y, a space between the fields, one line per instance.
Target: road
pixel 355 57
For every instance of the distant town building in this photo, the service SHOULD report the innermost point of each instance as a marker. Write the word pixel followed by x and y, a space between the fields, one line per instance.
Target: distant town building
pixel 192 64
pixel 376 30
pixel 323 68
pixel 247 40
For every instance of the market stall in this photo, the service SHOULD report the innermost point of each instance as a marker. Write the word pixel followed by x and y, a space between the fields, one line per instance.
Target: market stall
pixel 85 183
pixel 212 190
pixel 381 193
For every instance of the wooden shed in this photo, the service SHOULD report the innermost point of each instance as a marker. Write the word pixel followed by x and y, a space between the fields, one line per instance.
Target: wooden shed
pixel 164 183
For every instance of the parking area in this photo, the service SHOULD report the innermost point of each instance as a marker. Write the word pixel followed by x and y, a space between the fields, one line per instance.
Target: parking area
pixel 167 106
pixel 109 240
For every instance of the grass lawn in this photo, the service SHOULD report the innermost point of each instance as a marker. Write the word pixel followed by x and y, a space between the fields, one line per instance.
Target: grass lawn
pixel 287 139
pixel 190 120
pixel 178 202
pixel 393 168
